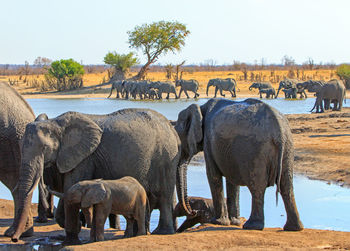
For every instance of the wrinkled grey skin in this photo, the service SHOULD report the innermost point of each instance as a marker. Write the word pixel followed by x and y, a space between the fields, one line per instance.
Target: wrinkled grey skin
pixel 119 88
pixel 15 114
pixel 270 92
pixel 250 144
pixel 188 85
pixel 163 87
pixel 125 196
pixel 228 84
pixel 204 212
pixel 290 93
pixel 260 85
pixel 311 85
pixel 287 84
pixel 131 142
pixel 334 91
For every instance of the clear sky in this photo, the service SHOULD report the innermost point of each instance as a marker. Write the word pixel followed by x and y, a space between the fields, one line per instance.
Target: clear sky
pixel 221 30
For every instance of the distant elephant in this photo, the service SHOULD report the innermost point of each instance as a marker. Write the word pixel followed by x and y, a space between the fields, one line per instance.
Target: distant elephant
pixel 140 89
pixel 287 84
pixel 131 142
pixel 248 142
pixel 270 92
pixel 188 85
pixel 290 93
pixel 260 85
pixel 228 84
pixel 152 93
pixel 129 87
pixel 119 88
pixel 164 87
pixel 125 196
pixel 334 91
pixel 311 85
pixel 204 212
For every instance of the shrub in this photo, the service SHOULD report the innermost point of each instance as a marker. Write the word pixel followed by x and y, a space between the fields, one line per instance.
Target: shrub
pixel 343 72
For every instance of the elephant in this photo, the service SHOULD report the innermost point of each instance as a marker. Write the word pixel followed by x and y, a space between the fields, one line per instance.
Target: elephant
pixel 119 88
pixel 15 114
pixel 164 87
pixel 290 93
pixel 124 196
pixel 228 84
pixel 286 84
pixel 333 91
pixel 140 88
pixel 130 142
pixel 204 212
pixel 248 142
pixel 152 93
pixel 188 85
pixel 268 91
pixel 129 87
pixel 260 85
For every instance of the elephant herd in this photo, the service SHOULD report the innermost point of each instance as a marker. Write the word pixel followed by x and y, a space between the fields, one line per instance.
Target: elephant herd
pixel 247 142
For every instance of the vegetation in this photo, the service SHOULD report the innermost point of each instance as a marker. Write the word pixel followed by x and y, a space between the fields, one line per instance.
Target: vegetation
pixel 121 63
pixel 156 39
pixel 65 74
pixel 343 72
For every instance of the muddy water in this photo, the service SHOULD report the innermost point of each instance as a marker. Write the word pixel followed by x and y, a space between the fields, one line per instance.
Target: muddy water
pixel 321 205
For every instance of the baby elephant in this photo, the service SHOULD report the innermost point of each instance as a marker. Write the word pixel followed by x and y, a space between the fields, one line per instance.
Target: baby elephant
pixel 204 212
pixel 268 91
pixel 125 196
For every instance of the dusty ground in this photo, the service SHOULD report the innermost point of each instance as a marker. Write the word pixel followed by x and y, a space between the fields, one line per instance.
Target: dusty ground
pixel 322 152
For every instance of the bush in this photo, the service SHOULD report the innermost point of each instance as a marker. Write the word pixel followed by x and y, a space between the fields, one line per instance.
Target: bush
pixel 343 72
pixel 66 74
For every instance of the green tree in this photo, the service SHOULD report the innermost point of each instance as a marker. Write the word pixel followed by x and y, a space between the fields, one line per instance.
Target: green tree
pixel 343 72
pixel 67 73
pixel 121 63
pixel 155 39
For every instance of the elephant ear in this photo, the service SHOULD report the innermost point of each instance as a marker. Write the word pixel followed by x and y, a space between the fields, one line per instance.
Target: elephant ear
pixel 80 138
pixel 94 195
pixel 189 128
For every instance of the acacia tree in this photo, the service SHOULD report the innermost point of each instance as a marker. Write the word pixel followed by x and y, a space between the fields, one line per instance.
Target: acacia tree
pixel 121 63
pixel 155 39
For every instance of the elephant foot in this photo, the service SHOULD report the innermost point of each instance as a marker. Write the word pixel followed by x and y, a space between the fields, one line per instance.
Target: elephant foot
pixel 235 221
pixel 221 221
pixel 293 226
pixel 71 239
pixel 168 230
pixel 27 233
pixel 41 219
pixel 254 225
pixel 50 215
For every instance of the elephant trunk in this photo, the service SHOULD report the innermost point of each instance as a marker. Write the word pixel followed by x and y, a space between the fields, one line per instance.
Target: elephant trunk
pixel 181 188
pixel 209 84
pixel 250 88
pixel 30 175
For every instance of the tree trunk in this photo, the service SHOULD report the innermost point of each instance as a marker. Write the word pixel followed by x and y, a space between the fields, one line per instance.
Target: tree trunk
pixel 118 75
pixel 142 72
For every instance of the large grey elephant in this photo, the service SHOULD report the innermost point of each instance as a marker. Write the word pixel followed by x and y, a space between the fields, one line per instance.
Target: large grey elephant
pixel 132 142
pixel 119 88
pixel 163 87
pixel 228 84
pixel 311 85
pixel 287 84
pixel 248 142
pixel 333 91
pixel 188 85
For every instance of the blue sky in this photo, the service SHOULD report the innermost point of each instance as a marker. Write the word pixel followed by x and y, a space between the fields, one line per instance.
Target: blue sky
pixel 221 30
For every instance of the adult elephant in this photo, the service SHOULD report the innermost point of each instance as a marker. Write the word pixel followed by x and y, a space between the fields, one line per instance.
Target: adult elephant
pixel 163 87
pixel 286 84
pixel 248 142
pixel 119 88
pixel 228 84
pixel 132 142
pixel 188 85
pixel 333 91
pixel 311 85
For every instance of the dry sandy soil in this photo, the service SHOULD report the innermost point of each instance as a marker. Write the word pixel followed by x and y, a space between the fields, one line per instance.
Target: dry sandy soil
pixel 322 152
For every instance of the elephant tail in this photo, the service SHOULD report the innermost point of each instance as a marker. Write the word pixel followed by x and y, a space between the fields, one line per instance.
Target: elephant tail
pixel 148 215
pixel 279 170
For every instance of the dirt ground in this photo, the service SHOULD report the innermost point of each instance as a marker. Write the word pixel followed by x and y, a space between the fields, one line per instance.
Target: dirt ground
pixel 322 152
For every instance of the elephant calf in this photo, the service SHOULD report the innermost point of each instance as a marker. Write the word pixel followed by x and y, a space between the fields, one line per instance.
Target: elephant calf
pixel 268 91
pixel 125 196
pixel 204 212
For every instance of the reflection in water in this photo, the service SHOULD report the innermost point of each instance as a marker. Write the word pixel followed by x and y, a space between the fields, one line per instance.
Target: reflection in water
pixel 320 205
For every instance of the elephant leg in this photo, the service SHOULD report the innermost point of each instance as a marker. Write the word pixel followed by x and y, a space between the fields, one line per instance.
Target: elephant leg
pixel 256 220
pixel 186 94
pixel 165 225
pixel 179 96
pixel 59 214
pixel 44 213
pixel 117 95
pixel 140 219
pixel 293 221
pixel 233 95
pixel 216 91
pixel 187 224
pixel 221 93
pixel 100 214
pixel 72 224
pixel 232 192
pixel 114 221
pixel 88 216
pixel 129 231
pixel 217 192
pixel 167 96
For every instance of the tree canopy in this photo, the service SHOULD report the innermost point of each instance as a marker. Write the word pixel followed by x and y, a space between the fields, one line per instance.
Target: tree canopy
pixel 343 71
pixel 120 62
pixel 157 38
